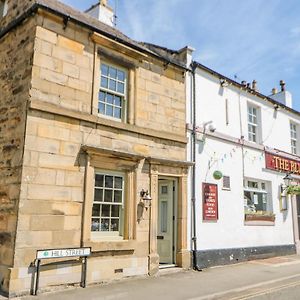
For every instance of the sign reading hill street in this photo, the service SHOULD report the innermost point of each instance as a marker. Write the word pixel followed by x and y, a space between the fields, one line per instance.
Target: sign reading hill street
pixel 59 253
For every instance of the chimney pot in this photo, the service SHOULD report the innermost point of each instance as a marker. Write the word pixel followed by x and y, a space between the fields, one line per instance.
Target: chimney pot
pixel 274 91
pixel 282 84
pixel 254 85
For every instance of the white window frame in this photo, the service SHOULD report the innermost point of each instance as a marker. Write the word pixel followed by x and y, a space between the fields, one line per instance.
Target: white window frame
pixel 3 8
pixel 110 235
pixel 123 96
pixel 293 135
pixel 258 187
pixel 253 123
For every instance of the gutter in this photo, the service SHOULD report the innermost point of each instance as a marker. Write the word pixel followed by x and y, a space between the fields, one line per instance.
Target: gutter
pixel 193 154
pixel 34 8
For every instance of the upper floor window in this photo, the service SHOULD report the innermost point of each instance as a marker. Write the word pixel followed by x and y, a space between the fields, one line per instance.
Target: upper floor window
pixel 293 132
pixel 108 205
pixel 113 92
pixel 252 123
pixel 3 8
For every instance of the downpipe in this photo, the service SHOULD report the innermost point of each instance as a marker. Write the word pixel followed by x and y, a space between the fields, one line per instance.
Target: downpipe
pixel 193 150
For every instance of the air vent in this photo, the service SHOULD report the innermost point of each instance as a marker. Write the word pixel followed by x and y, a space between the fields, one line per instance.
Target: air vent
pixel 226 182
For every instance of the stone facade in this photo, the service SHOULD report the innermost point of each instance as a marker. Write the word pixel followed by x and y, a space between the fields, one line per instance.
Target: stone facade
pixel 59 140
pixel 15 77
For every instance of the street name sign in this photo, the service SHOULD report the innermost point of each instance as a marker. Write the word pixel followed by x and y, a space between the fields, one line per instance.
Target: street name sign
pixel 61 253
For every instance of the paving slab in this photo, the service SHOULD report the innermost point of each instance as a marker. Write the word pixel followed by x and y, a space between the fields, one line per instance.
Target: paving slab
pixel 251 279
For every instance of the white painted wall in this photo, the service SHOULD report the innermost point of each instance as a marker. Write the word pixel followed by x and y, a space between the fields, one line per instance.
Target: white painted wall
pixel 230 230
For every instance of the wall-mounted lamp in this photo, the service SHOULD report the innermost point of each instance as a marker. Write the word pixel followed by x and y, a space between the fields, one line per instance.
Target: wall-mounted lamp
pixel 146 198
pixel 200 136
pixel 287 179
pixel 223 82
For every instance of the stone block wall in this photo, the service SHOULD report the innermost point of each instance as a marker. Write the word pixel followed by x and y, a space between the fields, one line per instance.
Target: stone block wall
pixel 52 192
pixel 15 77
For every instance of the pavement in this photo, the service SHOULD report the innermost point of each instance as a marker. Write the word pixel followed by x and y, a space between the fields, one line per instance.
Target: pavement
pixel 274 278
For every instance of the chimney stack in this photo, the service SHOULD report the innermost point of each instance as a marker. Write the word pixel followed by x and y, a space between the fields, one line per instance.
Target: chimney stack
pixel 284 96
pixel 103 12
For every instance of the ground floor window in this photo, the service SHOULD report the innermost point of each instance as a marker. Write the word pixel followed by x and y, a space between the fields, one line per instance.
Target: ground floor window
pixel 257 197
pixel 108 204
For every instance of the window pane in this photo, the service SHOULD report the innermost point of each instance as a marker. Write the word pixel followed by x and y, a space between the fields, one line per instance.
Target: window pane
pixel 118 182
pixel 110 99
pixel 121 87
pixel 118 101
pixel 98 195
pixel 121 75
pixel 109 181
pixel 101 108
pixel 95 225
pixel 112 72
pixel 105 210
pixel 104 82
pixel 118 196
pixel 104 69
pixel 114 225
pixel 117 113
pixel 109 110
pixel 102 96
pixel 105 225
pixel 115 210
pixel 96 210
pixel 112 85
pixel 108 196
pixel 99 180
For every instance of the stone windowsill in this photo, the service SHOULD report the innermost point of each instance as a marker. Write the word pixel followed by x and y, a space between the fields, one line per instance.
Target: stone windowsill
pixel 102 245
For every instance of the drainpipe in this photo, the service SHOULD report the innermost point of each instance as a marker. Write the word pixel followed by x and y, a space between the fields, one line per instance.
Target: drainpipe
pixel 193 152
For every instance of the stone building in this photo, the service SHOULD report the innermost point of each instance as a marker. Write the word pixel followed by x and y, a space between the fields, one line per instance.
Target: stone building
pixel 89 119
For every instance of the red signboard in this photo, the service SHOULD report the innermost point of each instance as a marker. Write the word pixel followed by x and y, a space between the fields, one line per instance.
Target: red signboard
pixel 282 164
pixel 210 201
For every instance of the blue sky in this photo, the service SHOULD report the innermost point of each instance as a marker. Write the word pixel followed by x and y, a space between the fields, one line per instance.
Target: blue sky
pixel 253 39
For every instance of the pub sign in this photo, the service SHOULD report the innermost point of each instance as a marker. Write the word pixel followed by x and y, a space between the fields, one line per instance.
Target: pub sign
pixel 282 164
pixel 210 201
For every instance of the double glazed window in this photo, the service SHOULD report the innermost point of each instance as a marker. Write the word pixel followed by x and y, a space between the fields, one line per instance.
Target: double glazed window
pixel 256 198
pixel 293 132
pixel 107 213
pixel 252 124
pixel 113 92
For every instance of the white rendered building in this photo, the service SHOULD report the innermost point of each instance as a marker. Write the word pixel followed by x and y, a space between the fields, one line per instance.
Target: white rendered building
pixel 243 144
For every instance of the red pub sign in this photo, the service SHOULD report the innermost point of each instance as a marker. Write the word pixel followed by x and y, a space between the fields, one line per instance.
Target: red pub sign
pixel 282 164
pixel 210 201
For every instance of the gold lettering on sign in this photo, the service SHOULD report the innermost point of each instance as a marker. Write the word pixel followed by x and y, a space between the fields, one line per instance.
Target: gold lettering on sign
pixel 281 164
pixel 286 165
pixel 293 167
pixel 276 162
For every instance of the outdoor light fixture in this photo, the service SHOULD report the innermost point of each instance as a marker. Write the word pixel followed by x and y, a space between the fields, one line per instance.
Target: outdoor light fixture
pixel 287 179
pixel 146 198
pixel 200 136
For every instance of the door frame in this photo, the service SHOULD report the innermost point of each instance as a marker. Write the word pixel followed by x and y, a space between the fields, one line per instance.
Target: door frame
pixel 174 217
